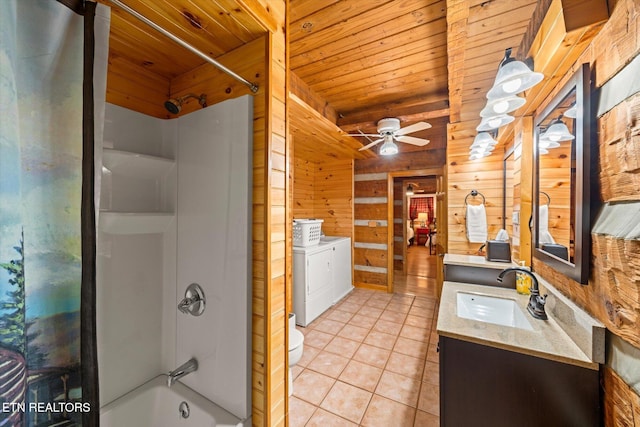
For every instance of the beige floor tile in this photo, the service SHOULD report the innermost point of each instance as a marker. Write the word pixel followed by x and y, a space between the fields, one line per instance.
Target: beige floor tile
pixel 311 386
pixel 399 388
pixel 431 373
pixel 363 321
pixel 328 364
pixel 420 322
pixel 349 307
pixel 398 307
pixel 383 412
pixel 415 333
pixel 374 356
pixel 317 339
pixel 300 412
pixel 347 401
pixel 296 370
pixel 424 419
pixel 361 375
pixel 353 332
pixel 387 327
pixel 329 326
pixel 322 418
pixel 339 315
pixel 403 299
pixel 380 339
pixel 408 366
pixel 422 312
pixel 381 296
pixel 308 353
pixel 370 311
pixel 377 303
pixel 432 354
pixel 342 346
pixel 425 302
pixel 429 400
pixel 393 316
pixel 411 347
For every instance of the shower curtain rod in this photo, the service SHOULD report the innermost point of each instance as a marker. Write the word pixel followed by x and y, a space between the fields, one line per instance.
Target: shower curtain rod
pixel 252 86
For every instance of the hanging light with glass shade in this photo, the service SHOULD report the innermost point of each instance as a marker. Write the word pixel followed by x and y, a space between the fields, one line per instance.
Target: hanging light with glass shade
pixel 494 122
pixel 410 190
pixel 513 77
pixel 483 145
pixel 502 106
pixel 558 131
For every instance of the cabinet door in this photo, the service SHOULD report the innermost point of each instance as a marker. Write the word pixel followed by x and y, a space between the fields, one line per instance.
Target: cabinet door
pixel 342 272
pixel 319 272
pixel 319 283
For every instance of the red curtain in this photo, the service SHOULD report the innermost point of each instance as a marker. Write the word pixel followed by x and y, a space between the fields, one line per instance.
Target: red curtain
pixel 420 205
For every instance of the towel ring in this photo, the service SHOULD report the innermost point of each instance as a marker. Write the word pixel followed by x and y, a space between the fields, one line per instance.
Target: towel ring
pixel 548 198
pixel 474 193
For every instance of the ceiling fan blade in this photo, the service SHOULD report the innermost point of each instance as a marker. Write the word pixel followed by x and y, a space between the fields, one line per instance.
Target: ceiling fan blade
pixel 412 140
pixel 364 134
pixel 413 128
pixel 371 145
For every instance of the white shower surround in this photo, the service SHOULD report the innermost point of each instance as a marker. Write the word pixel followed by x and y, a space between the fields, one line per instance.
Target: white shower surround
pixel 141 277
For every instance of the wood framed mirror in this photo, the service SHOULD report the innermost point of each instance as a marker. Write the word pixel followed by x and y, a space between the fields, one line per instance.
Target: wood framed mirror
pixel 562 199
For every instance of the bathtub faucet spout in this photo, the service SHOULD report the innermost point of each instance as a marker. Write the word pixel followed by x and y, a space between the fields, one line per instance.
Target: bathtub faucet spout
pixel 186 368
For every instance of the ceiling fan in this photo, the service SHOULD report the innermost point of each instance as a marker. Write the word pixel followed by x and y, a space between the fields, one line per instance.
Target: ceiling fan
pixel 389 130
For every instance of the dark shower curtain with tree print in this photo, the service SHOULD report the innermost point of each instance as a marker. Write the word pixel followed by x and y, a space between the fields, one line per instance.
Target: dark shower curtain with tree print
pixel 42 266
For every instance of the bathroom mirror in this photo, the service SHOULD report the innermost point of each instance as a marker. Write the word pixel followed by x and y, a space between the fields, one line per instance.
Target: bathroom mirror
pixel 562 173
pixel 509 199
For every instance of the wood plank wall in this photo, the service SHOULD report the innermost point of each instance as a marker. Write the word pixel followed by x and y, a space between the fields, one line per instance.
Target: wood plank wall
pixel 399 224
pixel 371 247
pixel 322 190
pixel 613 292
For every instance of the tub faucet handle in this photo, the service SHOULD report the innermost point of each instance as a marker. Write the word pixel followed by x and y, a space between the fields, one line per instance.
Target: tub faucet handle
pixel 194 301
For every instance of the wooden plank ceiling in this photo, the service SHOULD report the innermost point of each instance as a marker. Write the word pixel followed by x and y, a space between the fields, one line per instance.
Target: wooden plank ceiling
pixel 416 60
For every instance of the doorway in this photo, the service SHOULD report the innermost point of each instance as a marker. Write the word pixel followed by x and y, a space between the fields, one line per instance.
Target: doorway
pixel 415 217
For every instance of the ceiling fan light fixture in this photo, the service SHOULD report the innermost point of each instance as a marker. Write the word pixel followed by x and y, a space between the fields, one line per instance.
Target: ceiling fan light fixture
pixel 410 190
pixel 494 122
pixel 513 77
pixel 502 106
pixel 389 147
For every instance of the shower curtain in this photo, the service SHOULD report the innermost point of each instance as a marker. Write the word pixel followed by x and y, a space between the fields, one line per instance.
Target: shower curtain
pixel 48 369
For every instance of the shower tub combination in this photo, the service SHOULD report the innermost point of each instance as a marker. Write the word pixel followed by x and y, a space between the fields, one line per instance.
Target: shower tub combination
pixel 153 404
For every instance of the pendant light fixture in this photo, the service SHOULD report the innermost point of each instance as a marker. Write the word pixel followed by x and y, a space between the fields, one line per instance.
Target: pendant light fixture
pixel 494 122
pixel 558 131
pixel 410 190
pixel 502 106
pixel 513 77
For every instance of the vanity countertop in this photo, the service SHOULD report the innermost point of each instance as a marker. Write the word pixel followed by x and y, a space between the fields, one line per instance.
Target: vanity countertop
pixel 548 339
pixel 475 261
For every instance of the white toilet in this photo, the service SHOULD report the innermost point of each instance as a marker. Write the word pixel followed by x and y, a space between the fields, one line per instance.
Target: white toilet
pixel 296 344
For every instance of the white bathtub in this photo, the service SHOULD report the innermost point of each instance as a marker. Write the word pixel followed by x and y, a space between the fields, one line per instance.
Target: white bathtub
pixel 153 404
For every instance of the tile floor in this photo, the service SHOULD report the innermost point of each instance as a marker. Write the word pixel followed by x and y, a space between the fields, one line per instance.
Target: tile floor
pixel 370 360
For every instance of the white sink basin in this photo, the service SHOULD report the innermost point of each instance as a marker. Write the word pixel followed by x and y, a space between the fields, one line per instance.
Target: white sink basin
pixel 490 309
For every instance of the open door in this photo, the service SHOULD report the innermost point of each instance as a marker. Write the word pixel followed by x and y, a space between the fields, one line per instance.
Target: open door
pixel 441 227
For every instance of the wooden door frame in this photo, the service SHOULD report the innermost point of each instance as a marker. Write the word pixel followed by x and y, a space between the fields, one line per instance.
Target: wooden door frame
pixel 437 172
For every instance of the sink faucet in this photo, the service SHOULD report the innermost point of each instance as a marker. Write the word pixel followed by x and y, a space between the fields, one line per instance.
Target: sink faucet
pixel 536 302
pixel 186 368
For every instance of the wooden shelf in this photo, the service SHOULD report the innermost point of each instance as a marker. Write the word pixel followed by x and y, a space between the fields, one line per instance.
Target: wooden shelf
pixel 135 222
pixel 136 165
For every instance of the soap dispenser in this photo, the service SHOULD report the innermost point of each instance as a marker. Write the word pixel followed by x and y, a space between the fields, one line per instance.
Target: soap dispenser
pixel 523 281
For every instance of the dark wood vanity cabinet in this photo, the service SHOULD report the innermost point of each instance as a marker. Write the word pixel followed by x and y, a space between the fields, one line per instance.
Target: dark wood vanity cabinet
pixel 486 386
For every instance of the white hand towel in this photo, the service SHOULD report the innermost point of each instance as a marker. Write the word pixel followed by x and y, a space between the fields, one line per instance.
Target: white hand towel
pixel 476 223
pixel 543 227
